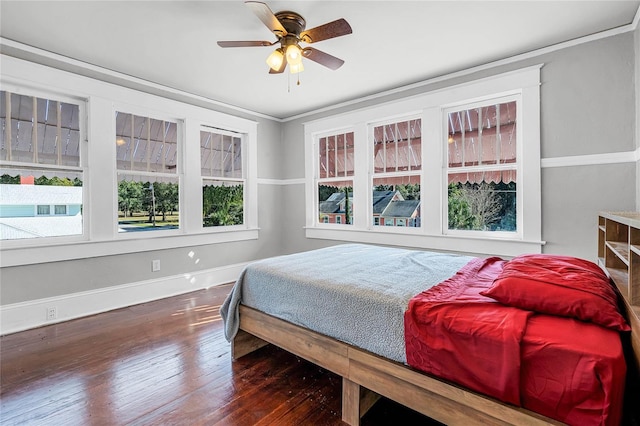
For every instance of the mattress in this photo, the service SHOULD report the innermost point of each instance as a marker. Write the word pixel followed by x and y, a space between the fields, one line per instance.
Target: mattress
pixel 355 293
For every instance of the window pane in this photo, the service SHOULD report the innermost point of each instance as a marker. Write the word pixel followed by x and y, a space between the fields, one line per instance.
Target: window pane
pixel 479 198
pixel 482 201
pixel 220 155
pixel 507 133
pixel 26 197
pixel 396 201
pixel 40 131
pixel 336 155
pixel 335 202
pixel 397 147
pixel 482 136
pixel 146 144
pixel 222 203
pixel 147 204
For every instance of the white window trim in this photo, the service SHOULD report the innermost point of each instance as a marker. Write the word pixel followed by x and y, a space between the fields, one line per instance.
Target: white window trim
pixel 430 108
pixel 102 100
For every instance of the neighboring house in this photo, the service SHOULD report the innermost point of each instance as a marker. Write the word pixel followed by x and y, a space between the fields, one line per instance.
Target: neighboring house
pixel 401 213
pixel 333 209
pixel 28 211
pixel 389 209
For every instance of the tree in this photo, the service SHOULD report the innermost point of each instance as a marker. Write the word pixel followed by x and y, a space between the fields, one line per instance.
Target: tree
pixel 460 215
pixel 149 200
pixel 129 197
pixel 165 194
pixel 222 205
pixel 485 204
pixel 409 191
pixel 347 213
pixel 475 206
pixel 324 192
pixel 6 179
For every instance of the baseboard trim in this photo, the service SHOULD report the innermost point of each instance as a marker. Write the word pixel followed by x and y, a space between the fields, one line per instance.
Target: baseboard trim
pixel 26 315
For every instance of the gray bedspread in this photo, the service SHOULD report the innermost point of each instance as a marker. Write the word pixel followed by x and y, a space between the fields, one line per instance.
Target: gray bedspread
pixel 354 293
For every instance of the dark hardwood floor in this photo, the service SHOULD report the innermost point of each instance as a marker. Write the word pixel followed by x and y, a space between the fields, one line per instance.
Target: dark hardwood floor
pixel 165 363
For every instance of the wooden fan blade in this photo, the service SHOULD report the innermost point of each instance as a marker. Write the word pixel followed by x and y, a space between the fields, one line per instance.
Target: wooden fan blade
pixel 333 29
pixel 244 43
pixel 262 11
pixel 322 58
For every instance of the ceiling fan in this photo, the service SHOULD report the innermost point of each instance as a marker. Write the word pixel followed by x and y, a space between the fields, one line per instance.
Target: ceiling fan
pixel 289 28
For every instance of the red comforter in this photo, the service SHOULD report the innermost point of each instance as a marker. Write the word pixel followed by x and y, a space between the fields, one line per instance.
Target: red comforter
pixel 563 368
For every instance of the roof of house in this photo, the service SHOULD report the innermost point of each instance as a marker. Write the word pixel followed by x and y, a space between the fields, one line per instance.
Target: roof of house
pixel 12 228
pixel 332 204
pixel 381 200
pixel 401 208
pixel 39 194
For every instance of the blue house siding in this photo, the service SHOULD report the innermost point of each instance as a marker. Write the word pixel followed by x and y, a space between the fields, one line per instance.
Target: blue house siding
pixel 17 210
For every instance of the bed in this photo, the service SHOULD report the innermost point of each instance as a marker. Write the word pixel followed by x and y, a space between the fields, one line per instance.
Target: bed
pixel 411 326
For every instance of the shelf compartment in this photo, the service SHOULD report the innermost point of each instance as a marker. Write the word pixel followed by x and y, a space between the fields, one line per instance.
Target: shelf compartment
pixel 634 277
pixel 620 250
pixel 619 256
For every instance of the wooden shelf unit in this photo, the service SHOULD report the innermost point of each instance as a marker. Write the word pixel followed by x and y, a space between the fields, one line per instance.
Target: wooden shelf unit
pixel 619 256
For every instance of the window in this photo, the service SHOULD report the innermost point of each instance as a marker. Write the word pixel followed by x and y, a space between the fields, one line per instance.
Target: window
pixel 148 180
pixel 335 172
pixel 482 167
pixel 40 167
pixel 137 145
pixel 223 182
pixel 444 169
pixel 397 166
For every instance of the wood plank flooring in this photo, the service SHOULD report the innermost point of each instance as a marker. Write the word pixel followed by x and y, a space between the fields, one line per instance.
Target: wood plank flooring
pixel 165 363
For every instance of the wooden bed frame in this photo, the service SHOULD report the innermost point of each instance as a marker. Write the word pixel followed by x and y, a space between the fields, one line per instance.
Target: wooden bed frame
pixel 366 377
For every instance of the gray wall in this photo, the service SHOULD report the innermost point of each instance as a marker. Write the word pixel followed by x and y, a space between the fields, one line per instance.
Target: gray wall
pixel 637 62
pixel 588 107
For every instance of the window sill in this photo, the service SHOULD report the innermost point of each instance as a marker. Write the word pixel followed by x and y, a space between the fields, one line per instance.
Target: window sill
pixel 460 244
pixel 28 255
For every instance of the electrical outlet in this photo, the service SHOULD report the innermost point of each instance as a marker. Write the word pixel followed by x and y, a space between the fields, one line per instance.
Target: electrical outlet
pixel 52 313
pixel 155 265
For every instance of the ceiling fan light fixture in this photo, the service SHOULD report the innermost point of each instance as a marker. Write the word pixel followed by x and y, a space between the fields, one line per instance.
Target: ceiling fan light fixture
pixel 290 30
pixel 294 55
pixel 275 59
pixel 296 68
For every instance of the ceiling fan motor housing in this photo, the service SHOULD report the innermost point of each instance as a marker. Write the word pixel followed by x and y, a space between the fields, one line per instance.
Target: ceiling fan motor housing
pixel 292 22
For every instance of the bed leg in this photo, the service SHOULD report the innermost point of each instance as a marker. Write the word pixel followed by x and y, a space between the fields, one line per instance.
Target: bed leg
pixel 350 402
pixel 356 401
pixel 245 343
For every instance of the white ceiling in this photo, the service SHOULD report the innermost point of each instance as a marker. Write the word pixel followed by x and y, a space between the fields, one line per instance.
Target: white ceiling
pixel 394 43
